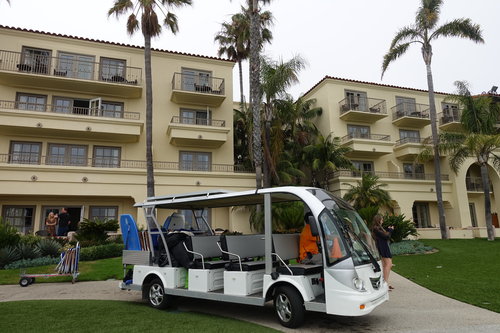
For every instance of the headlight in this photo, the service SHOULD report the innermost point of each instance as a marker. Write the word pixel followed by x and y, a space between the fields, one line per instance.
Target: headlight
pixel 358 284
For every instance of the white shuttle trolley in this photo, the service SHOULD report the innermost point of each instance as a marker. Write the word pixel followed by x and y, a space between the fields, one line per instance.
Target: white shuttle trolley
pixel 255 269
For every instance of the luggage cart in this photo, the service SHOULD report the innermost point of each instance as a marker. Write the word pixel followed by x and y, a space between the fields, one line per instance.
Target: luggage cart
pixel 67 266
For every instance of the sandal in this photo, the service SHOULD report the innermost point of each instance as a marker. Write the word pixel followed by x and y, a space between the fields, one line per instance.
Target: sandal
pixel 391 287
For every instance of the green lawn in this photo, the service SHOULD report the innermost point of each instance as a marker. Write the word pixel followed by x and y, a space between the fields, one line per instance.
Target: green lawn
pixel 98 270
pixel 465 269
pixel 111 316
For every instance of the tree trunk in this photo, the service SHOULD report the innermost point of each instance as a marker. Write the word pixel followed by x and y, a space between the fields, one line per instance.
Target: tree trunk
pixel 150 181
pixel 487 202
pixel 255 96
pixel 435 145
pixel 242 96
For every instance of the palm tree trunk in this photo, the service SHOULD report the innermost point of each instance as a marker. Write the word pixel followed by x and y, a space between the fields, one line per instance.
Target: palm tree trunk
pixel 150 181
pixel 435 144
pixel 242 96
pixel 255 97
pixel 487 202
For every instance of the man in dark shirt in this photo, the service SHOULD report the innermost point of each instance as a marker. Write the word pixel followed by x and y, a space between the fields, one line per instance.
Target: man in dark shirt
pixel 64 223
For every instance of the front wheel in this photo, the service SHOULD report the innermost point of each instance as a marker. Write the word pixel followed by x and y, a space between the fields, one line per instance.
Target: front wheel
pixel 156 295
pixel 24 282
pixel 289 306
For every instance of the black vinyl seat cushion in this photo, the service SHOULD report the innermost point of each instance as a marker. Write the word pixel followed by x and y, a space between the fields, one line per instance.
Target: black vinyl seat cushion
pixel 210 264
pixel 300 269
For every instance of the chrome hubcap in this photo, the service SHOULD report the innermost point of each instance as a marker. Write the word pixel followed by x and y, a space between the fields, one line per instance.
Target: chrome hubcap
pixel 283 307
pixel 156 294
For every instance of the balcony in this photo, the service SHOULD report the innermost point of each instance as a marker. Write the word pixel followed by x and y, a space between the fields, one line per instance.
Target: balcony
pixel 191 89
pixel 450 121
pixel 389 175
pixel 410 115
pixel 367 145
pixel 362 109
pixel 408 148
pixel 475 184
pixel 18 160
pixel 69 75
pixel 190 132
pixel 47 120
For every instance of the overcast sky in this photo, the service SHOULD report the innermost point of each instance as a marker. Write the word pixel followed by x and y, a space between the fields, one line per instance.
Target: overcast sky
pixel 346 39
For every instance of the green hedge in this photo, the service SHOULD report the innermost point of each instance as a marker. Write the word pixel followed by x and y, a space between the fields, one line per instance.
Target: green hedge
pixel 42 261
pixel 110 250
pixel 409 247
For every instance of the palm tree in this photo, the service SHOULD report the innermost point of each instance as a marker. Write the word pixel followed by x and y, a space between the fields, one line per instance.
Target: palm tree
pixel 277 76
pixel 255 90
pixel 150 27
pixel 234 40
pixel 425 31
pixel 368 193
pixel 327 155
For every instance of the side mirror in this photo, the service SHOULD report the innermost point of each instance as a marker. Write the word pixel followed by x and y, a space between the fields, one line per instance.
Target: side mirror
pixel 312 223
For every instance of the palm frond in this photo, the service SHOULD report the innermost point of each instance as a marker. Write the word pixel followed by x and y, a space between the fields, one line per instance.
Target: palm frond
pixel 463 28
pixel 428 14
pixel 120 7
pixel 405 35
pixel 394 53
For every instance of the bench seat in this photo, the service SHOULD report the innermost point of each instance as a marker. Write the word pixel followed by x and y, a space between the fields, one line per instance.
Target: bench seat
pixel 300 269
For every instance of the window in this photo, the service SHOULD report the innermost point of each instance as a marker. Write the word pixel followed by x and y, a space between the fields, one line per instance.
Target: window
pixel 20 217
pixel 195 161
pixel 112 109
pixel 407 136
pixel 193 220
pixel 450 112
pixel 473 217
pixel 196 80
pixel 414 171
pixel 356 100
pixel 71 105
pixel 113 70
pixel 103 212
pixel 357 131
pixel 405 106
pixel 421 215
pixel 362 167
pixel 107 157
pixel 31 102
pixel 75 65
pixel 61 154
pixel 35 60
pixel 25 152
pixel 198 117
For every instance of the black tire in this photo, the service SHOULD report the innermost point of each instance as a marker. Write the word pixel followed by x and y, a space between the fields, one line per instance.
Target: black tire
pixel 156 295
pixel 24 282
pixel 289 306
pixel 32 280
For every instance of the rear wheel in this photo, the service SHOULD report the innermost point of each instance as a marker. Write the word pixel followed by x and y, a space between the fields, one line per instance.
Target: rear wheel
pixel 289 306
pixel 24 282
pixel 156 295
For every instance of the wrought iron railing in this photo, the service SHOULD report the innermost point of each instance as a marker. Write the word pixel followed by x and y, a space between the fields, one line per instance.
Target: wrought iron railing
pixel 70 67
pixel 108 162
pixel 449 117
pixel 376 137
pixel 413 140
pixel 198 83
pixel 80 111
pixel 475 184
pixel 198 121
pixel 363 104
pixel 389 175
pixel 413 110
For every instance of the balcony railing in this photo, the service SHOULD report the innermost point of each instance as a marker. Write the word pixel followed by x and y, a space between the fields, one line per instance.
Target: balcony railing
pixel 104 162
pixel 389 175
pixel 410 110
pixel 198 121
pixel 69 68
pixel 376 137
pixel 475 184
pixel 412 140
pixel 449 117
pixel 196 83
pixel 80 111
pixel 363 104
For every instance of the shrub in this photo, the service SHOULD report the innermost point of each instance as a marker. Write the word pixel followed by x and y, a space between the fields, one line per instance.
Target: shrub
pixel 409 247
pixel 8 234
pixel 27 251
pixel 48 247
pixel 367 214
pixel 30 240
pixel 94 232
pixel 402 227
pixel 8 255
pixel 23 263
pixel 110 250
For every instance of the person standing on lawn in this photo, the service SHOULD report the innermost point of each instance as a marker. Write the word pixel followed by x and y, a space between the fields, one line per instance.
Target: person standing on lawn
pixel 382 238
pixel 64 222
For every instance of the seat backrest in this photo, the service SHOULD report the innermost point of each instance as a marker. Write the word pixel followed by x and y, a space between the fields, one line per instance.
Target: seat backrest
pixel 286 245
pixel 206 245
pixel 177 222
pixel 245 246
pixel 130 235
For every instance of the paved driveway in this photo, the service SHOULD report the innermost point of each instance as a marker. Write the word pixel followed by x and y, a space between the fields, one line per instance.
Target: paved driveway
pixel 411 308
